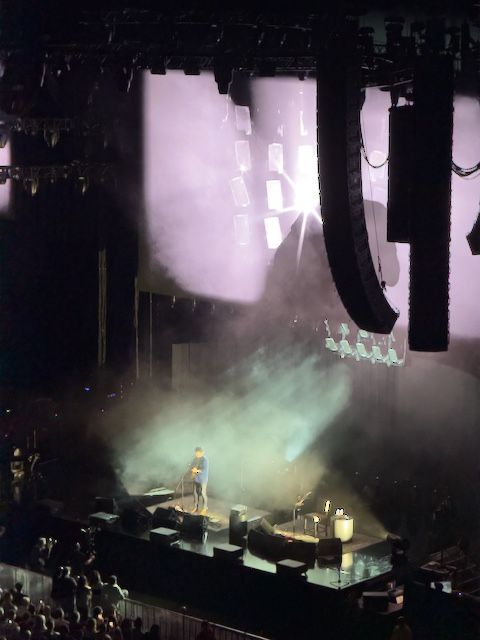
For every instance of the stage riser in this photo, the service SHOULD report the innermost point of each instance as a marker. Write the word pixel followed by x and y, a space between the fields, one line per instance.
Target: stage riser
pixel 243 594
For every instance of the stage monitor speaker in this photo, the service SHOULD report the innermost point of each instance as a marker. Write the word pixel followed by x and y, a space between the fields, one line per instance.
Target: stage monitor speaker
pixel 265 545
pixel 375 601
pixel 228 552
pixel 136 518
pixel 329 548
pixel 238 525
pixel 301 551
pixel 164 517
pixel 193 525
pixel 106 505
pixel 292 569
pixel 164 536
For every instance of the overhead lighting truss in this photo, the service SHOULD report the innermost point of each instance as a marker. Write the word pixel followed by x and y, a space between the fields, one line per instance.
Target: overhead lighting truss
pixel 82 173
pixel 50 128
pixel 175 37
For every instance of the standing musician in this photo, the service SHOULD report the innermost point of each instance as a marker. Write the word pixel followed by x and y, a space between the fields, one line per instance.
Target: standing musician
pixel 199 469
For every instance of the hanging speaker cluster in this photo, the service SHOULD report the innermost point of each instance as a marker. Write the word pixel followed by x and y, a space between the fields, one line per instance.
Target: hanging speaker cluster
pixel 344 227
pixel 420 197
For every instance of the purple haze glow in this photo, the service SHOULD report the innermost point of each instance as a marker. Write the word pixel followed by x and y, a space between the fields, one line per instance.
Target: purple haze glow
pixel 190 136
pixel 189 160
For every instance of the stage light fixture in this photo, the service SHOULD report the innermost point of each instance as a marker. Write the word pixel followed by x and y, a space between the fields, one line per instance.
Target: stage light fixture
pixel 83 183
pixel 239 192
pixel 158 67
pixel 51 136
pixel 330 344
pixel 345 350
pixel 242 119
pixel 275 157
pixel 191 68
pixel 125 78
pixel 223 74
pixel 241 228
pixel 242 155
pixel 367 346
pixel 31 185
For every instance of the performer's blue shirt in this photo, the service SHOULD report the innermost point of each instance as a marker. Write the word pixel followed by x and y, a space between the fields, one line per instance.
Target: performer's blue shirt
pixel 202 464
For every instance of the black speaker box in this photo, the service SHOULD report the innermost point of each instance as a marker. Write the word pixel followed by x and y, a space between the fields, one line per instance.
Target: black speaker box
pixel 193 525
pixel 265 545
pixel 165 517
pixel 329 548
pixel 238 528
pixel 135 517
pixel 291 569
pixel 228 552
pixel 301 551
pixel 164 536
pixel 375 601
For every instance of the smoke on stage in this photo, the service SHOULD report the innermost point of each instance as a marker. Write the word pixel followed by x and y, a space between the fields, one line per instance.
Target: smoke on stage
pixel 256 427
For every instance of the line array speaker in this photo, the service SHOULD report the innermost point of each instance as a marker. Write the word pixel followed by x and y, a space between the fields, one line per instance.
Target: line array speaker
pixel 344 227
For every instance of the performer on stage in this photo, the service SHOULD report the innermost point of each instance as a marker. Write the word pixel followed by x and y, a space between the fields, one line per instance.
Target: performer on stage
pixel 199 468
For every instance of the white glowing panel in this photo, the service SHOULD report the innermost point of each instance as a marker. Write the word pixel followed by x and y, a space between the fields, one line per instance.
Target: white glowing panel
pixel 242 119
pixel 274 195
pixel 275 157
pixel 242 155
pixel 239 192
pixel 273 232
pixel 242 229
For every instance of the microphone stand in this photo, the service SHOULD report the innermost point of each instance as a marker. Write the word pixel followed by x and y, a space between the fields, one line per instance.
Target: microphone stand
pixel 181 484
pixel 299 503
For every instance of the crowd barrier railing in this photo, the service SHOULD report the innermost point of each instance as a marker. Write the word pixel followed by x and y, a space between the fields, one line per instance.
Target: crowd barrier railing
pixel 173 625
pixel 176 625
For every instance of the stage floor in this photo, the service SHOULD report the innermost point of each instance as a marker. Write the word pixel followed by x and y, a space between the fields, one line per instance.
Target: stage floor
pixel 371 560
pixel 363 559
